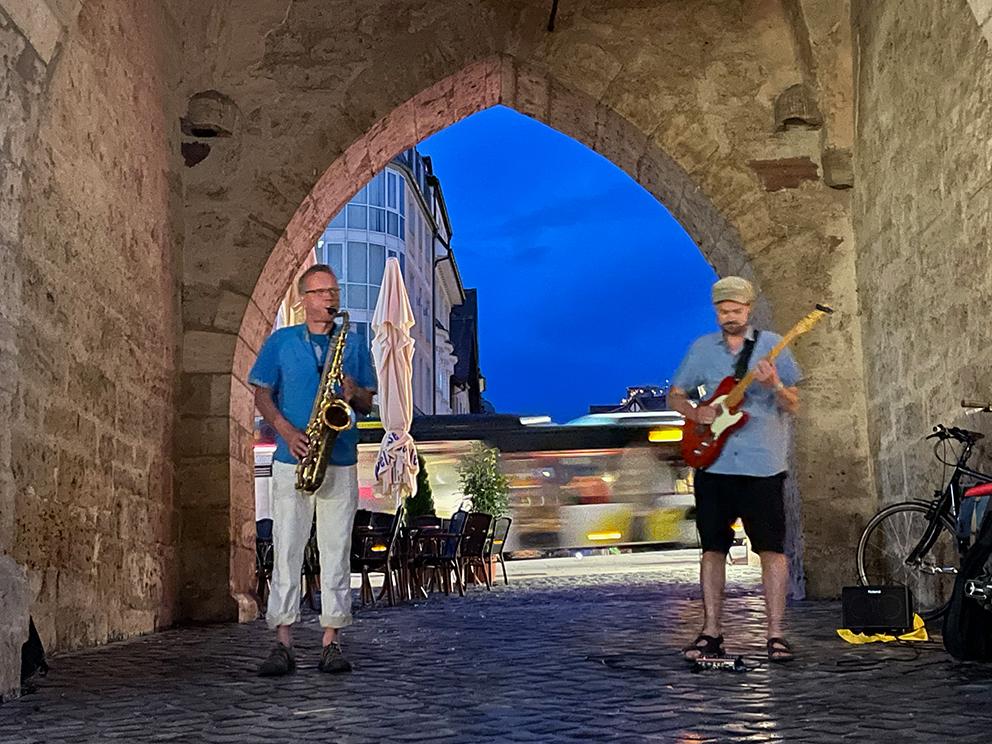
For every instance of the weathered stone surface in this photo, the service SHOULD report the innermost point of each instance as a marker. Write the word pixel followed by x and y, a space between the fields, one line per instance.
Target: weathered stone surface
pixel 922 220
pixel 39 24
pixel 88 304
pixel 13 625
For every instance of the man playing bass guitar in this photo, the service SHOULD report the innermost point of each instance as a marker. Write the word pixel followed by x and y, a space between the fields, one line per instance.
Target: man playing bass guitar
pixel 746 480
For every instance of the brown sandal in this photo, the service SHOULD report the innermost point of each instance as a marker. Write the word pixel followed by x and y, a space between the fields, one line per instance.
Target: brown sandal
pixel 704 645
pixel 779 650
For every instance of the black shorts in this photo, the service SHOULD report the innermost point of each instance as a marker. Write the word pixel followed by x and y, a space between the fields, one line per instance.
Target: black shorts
pixel 757 501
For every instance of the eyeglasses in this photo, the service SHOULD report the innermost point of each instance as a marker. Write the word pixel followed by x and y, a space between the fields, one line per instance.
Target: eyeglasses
pixel 329 291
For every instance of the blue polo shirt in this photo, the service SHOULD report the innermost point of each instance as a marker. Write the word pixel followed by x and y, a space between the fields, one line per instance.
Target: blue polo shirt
pixel 290 363
pixel 761 446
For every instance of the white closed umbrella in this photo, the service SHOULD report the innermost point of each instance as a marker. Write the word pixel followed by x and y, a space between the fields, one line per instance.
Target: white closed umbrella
pixel 396 466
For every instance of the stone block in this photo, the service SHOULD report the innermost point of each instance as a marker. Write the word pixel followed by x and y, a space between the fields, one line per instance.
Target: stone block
pixel 13 625
pixel 203 483
pixel 255 326
pixel 38 23
pixel 392 134
pixel 838 168
pixel 205 394
pixel 475 88
pixel 619 141
pixel 432 108
pixel 209 352
pixel 571 113
pixel 532 93
pixel 982 10
pixel 202 436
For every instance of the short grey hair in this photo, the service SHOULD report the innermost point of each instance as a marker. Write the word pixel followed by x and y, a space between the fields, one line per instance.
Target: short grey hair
pixel 315 269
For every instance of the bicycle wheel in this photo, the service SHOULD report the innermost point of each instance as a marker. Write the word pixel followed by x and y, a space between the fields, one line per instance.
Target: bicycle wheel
pixel 891 535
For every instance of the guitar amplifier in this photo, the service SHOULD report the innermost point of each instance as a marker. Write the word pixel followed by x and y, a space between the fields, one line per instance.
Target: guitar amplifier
pixel 877 609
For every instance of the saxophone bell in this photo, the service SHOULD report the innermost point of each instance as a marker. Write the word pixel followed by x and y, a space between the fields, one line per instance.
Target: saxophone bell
pixel 337 415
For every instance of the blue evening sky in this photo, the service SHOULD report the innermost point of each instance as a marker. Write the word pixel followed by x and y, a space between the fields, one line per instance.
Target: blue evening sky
pixel 586 283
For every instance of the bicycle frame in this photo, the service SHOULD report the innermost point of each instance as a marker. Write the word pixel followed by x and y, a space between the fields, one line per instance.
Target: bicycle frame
pixel 948 502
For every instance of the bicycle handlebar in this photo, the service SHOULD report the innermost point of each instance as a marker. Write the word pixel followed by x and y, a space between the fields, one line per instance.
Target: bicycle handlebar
pixel 962 435
pixel 982 407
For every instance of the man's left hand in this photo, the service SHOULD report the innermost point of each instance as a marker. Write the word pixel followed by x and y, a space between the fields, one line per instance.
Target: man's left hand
pixel 766 374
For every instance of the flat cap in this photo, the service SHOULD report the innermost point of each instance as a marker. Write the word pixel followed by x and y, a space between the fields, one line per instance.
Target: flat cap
pixel 734 288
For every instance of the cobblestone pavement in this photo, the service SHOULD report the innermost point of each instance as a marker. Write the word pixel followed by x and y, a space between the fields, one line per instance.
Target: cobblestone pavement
pixel 565 654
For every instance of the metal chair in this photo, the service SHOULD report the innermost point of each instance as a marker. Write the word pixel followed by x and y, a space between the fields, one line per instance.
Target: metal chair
pixel 473 547
pixel 375 549
pixel 495 544
pixel 438 552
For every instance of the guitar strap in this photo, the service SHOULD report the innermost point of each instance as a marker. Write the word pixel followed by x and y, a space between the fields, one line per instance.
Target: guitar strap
pixel 740 369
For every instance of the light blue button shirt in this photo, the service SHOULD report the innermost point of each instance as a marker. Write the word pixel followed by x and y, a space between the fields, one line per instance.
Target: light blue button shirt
pixel 760 447
pixel 289 364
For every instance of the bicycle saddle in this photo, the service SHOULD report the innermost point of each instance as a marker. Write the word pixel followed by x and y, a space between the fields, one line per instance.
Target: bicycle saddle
pixel 975 491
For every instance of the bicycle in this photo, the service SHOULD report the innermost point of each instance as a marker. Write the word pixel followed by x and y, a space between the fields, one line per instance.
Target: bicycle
pixel 917 543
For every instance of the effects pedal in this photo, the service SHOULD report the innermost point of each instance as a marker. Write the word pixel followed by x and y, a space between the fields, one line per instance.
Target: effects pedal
pixel 726 663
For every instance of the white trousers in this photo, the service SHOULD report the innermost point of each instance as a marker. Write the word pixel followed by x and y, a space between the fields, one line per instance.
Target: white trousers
pixel 292 516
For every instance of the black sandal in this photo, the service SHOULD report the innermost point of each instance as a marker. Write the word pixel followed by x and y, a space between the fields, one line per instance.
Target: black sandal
pixel 779 650
pixel 704 645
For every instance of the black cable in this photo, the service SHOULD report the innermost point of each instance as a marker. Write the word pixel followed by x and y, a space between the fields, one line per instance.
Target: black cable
pixel 554 12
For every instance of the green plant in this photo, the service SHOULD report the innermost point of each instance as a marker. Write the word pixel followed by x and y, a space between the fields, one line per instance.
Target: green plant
pixel 421 503
pixel 483 482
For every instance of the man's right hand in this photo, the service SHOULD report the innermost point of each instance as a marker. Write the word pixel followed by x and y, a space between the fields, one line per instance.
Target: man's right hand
pixel 297 441
pixel 704 414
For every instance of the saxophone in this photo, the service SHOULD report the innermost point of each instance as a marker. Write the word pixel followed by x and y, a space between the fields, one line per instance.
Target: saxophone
pixel 330 414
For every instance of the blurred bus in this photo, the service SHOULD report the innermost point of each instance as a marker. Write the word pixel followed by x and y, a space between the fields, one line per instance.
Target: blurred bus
pixel 591 484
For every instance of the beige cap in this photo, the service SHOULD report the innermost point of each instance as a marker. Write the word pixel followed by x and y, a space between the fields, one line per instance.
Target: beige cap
pixel 734 288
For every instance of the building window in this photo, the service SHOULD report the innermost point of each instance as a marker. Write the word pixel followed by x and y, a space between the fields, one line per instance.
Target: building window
pixel 391 191
pixel 334 257
pixel 357 218
pixel 377 220
pixel 377 263
pixel 338 220
pixel 394 224
pixel 358 263
pixel 377 190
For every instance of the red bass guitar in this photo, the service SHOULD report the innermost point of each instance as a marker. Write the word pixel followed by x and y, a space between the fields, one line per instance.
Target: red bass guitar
pixel 703 443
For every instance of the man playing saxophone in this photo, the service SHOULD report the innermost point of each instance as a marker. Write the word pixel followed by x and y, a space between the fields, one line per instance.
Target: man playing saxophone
pixel 286 378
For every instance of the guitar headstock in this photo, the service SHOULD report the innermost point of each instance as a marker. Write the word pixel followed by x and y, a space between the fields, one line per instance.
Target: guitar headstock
pixel 810 320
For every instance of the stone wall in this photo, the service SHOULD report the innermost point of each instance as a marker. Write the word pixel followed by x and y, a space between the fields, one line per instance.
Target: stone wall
pixel 22 72
pixel 923 220
pixel 91 262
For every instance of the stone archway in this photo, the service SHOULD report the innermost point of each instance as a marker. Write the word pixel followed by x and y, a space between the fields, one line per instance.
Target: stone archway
pixel 499 80
pixel 746 181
